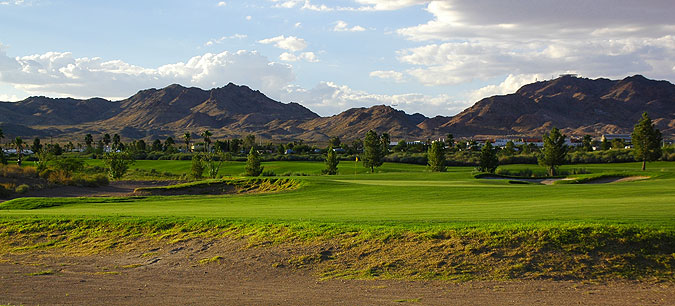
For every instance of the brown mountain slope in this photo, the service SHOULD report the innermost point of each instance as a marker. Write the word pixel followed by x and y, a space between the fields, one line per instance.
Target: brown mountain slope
pixel 177 107
pixel 356 122
pixel 577 105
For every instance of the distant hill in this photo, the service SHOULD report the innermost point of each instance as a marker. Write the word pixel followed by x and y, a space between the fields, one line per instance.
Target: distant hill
pixel 576 105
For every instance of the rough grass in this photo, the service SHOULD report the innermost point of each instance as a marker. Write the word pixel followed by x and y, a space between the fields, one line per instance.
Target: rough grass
pixel 224 186
pixel 450 252
pixel 400 223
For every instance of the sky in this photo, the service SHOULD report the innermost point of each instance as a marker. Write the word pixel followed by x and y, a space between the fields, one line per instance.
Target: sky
pixel 430 57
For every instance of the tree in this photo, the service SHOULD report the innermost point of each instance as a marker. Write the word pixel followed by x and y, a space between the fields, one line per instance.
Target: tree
pixel 43 157
pixel 401 146
pixel 604 145
pixel 18 143
pixel 140 145
pixel 357 145
pixel 618 143
pixel 554 151
pixel 36 147
pixel 207 139
pixel 646 141
pixel 488 161
pixel 386 140
pixel 331 162
pixel 54 149
pixel 249 142
pixel 106 139
pixel 3 160
pixel 186 139
pixel 197 170
pixel 68 166
pixel 116 142
pixel 117 163
pixel 450 140
pixel 214 160
pixel 334 142
pixel 235 145
pixel 587 143
pixel 88 140
pixel 156 145
pixel 510 148
pixel 253 167
pixel 436 157
pixel 372 151
pixel 168 145
pixel 99 147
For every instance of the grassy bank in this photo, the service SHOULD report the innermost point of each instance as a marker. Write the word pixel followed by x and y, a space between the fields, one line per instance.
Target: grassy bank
pixel 439 251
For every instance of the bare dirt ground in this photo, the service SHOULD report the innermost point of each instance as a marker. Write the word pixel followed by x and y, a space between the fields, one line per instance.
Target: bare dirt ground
pixel 114 189
pixel 226 272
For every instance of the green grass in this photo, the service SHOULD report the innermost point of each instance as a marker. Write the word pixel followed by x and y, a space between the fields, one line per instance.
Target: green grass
pixel 395 196
pixel 401 222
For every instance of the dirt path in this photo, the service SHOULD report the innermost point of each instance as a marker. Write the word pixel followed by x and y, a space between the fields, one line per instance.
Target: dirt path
pixel 235 275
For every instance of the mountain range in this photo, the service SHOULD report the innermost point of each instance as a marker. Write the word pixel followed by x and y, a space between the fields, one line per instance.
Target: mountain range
pixel 576 105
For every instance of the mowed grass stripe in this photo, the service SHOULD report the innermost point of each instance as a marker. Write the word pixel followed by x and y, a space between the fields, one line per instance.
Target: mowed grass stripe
pixel 415 197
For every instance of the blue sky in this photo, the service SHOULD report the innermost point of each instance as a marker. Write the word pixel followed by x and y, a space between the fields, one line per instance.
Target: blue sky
pixel 433 57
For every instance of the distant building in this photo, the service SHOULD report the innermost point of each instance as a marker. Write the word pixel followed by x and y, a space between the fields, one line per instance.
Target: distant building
pixel 609 137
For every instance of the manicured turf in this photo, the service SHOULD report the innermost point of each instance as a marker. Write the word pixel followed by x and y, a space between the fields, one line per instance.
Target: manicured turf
pixel 407 194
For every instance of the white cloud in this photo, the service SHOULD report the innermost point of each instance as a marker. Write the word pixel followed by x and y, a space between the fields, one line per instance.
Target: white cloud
pixel 510 85
pixel 459 62
pixel 304 56
pixel 388 5
pixel 290 43
pixel 365 5
pixel 302 4
pixel 222 3
pixel 483 40
pixel 223 38
pixel 341 26
pixel 389 74
pixel 17 2
pixel 8 98
pixel 61 74
pixel 549 19
pixel 328 98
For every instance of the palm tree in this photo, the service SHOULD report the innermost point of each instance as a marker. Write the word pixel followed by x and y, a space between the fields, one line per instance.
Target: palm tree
pixel 207 139
pixel 18 142
pixel 186 138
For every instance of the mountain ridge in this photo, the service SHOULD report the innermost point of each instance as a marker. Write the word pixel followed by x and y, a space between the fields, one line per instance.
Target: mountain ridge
pixel 576 105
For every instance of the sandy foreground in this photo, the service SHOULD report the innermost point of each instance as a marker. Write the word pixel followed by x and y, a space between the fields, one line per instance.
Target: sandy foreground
pixel 225 273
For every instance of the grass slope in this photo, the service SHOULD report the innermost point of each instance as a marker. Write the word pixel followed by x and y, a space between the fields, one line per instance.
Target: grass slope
pixel 402 222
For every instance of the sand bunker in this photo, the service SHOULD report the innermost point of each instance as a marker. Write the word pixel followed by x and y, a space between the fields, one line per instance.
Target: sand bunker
pixel 551 181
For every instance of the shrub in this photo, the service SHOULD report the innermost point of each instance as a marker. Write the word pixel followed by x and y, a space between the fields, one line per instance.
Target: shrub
pixel 23 188
pixel 59 178
pixel 197 170
pixel 14 171
pixel 268 173
pixel 4 192
pixel 68 165
pixel 117 164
